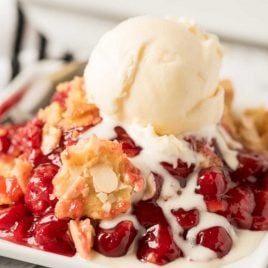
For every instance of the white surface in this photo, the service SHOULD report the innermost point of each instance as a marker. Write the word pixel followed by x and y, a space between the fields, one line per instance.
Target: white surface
pixel 35 256
pixel 243 20
pixel 247 67
pixel 28 55
pixel 77 25
pixel 7 18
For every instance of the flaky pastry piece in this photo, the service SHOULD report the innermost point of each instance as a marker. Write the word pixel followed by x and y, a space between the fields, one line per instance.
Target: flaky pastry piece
pixel 82 233
pixel 253 129
pixel 14 176
pixel 250 128
pixel 96 180
pixel 228 120
pixel 69 110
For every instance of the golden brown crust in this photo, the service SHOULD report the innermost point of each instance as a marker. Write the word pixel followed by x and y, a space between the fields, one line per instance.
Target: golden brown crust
pixel 228 119
pixel 14 177
pixel 82 233
pixel 76 112
pixel 95 180
pixel 251 128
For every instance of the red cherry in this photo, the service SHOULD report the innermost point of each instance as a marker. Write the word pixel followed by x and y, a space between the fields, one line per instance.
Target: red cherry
pixel 39 192
pixel 186 218
pixel 23 230
pixel 260 213
pixel 241 204
pixel 195 142
pixel 31 134
pixel 46 172
pixel 211 182
pixel 116 241
pixel 4 143
pixel 216 239
pixel 182 170
pixel 12 215
pixel 26 138
pixel 128 145
pixel 158 180
pixel 36 157
pixel 10 188
pixel 263 182
pixel 60 97
pixel 218 206
pixel 157 246
pixel 10 140
pixel 250 164
pixel 207 148
pixel 149 213
pixel 52 235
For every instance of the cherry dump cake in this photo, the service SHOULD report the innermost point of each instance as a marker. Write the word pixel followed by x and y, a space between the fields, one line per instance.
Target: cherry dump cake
pixel 163 177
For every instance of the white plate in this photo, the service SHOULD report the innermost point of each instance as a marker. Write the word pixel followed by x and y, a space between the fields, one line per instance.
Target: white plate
pixel 258 259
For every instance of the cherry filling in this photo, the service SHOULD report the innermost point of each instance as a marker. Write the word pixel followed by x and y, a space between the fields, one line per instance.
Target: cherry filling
pixel 216 239
pixel 149 213
pixel 7 134
pixel 9 217
pixel 260 212
pixel 212 181
pixel 180 172
pixel 61 96
pixel 158 182
pixel 128 145
pixel 116 241
pixel 11 188
pixel 250 165
pixel 39 196
pixel 4 142
pixel 30 220
pixel 28 137
pixel 52 235
pixel 241 203
pixel 16 224
pixel 186 219
pixel 241 196
pixel 157 246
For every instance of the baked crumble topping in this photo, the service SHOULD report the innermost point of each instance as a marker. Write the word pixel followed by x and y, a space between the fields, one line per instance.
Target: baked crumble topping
pixel 69 110
pixel 96 180
pixel 251 127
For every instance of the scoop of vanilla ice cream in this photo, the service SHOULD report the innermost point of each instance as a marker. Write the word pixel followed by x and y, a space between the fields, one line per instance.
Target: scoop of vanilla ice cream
pixel 157 71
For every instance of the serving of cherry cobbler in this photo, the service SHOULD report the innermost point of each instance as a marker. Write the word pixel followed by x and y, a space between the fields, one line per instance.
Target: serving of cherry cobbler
pixel 142 157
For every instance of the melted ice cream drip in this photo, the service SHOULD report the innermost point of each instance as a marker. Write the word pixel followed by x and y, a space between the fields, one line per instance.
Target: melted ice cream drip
pixel 187 200
pixel 107 224
pixel 226 145
pixel 168 148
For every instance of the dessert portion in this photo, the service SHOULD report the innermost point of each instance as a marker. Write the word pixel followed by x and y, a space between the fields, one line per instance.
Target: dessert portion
pixel 142 157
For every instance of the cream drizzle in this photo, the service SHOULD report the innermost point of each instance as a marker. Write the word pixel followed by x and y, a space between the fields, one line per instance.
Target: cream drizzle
pixel 168 148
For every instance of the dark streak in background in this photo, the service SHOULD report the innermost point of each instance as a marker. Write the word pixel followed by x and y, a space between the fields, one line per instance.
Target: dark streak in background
pixel 42 53
pixel 17 42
